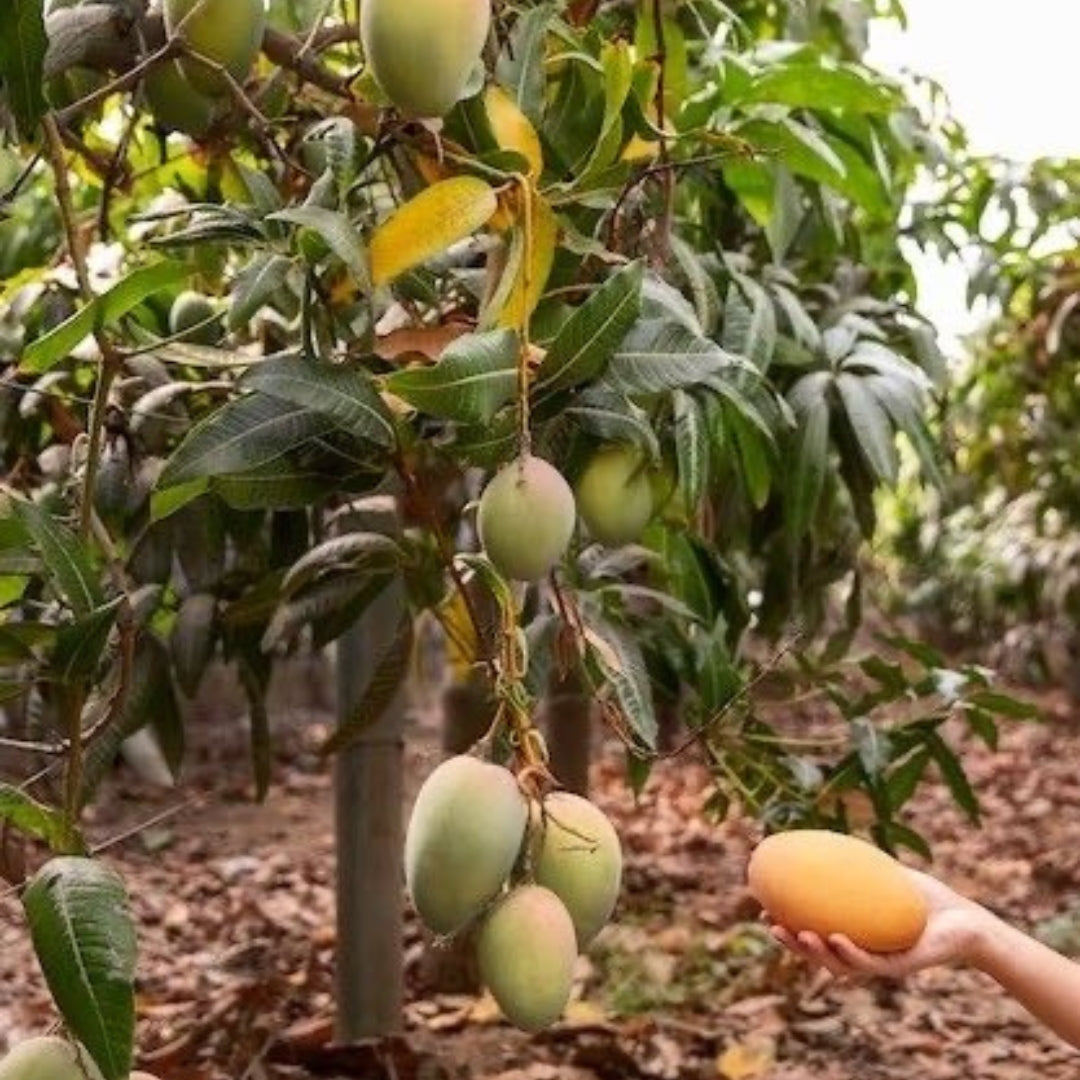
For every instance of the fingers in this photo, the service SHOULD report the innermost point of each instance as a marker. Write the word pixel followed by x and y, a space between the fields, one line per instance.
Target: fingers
pixel 813 949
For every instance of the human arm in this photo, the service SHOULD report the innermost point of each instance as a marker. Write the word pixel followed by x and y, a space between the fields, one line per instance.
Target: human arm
pixel 961 931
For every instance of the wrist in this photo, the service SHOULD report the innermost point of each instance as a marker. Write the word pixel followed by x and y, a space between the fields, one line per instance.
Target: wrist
pixel 981 939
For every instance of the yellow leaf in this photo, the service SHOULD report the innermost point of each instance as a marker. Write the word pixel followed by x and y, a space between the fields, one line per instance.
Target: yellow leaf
pixel 744 1061
pixel 428 224
pixel 513 130
pixel 462 645
pixel 528 270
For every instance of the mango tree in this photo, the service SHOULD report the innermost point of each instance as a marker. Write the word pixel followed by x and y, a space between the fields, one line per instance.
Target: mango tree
pixel 582 327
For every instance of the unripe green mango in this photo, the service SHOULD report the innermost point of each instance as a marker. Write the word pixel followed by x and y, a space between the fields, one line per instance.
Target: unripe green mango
pixel 422 52
pixel 526 951
pixel 615 497
pixel 229 32
pixel 175 103
pixel 464 835
pixel 577 855
pixel 188 318
pixel 46 1058
pixel 526 519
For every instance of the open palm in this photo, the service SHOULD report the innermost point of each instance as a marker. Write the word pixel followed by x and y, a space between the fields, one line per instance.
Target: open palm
pixel 947 938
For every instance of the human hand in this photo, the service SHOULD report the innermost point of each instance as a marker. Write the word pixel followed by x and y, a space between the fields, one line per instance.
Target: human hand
pixel 952 931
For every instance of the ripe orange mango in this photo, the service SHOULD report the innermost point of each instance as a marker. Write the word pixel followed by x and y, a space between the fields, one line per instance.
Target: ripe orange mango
pixel 829 883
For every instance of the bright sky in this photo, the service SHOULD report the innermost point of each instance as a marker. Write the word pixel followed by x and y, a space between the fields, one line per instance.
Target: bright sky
pixel 1010 71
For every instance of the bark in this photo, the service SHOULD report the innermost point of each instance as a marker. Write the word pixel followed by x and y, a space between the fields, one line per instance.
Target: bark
pixel 568 717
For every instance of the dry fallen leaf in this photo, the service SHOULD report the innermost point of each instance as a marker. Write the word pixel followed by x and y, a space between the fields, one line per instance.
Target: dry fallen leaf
pixel 745 1060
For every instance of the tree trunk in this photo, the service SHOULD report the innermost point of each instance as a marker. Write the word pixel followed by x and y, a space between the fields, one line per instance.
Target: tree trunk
pixel 568 717
pixel 370 836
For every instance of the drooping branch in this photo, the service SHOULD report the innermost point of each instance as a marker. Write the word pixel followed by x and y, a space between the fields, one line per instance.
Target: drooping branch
pixel 107 38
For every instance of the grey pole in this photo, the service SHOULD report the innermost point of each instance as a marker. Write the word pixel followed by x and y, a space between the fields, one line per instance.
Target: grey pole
pixel 369 791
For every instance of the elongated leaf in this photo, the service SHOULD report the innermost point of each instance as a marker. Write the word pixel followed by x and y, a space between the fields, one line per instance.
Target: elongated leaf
pixel 904 779
pixel 691 447
pixel 84 936
pixel 79 647
pixel 38 821
pixel 618 70
pixel 615 418
pixel 521 64
pixel 619 660
pixel 750 322
pixel 22 61
pixel 150 695
pixel 338 232
pixel 386 681
pixel 662 355
pixel 65 559
pixel 256 285
pixel 817 86
pixel 952 772
pixel 475 377
pixel 525 279
pixel 345 395
pixel 1004 705
pixel 513 130
pixel 243 435
pixel 104 311
pixel 871 426
pixel 807 470
pixel 255 677
pixel 428 224
pixel 584 346
pixel 353 553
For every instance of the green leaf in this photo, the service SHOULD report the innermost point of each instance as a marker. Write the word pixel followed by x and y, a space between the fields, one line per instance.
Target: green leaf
pixel 65 558
pixel 750 322
pixel 84 936
pixel 691 446
pixel 952 771
pixel 615 418
pixel 904 779
pixel 149 695
pixel 103 311
pixel 475 377
pixel 808 466
pixel 618 660
pixel 351 554
pixel 387 680
pixel 1004 705
pixel 164 504
pixel 36 820
pixel 661 355
pixel 256 285
pixel 869 422
pixel 343 394
pixel 22 62
pixel 618 80
pixel 242 435
pixel 338 232
pixel 584 346
pixel 520 68
pixel 255 676
pixel 79 647
pixel 820 87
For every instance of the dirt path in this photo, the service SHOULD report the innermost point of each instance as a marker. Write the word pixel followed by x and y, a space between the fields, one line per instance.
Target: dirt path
pixel 235 907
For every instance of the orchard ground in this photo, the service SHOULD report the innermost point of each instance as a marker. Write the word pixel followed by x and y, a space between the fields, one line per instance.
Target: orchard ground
pixel 235 904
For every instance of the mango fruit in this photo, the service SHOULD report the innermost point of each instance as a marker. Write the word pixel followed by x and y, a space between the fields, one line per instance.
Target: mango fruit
pixel 615 496
pixel 464 836
pixel 229 32
pixel 189 317
pixel 829 883
pixel 175 103
pixel 577 855
pixel 422 52
pixel 47 1058
pixel 526 519
pixel 526 951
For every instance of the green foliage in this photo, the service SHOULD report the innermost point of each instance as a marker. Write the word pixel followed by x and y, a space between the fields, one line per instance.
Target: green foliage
pixel 685 241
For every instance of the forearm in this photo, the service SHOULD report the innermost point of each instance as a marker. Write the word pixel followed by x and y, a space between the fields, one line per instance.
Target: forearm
pixel 1044 982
